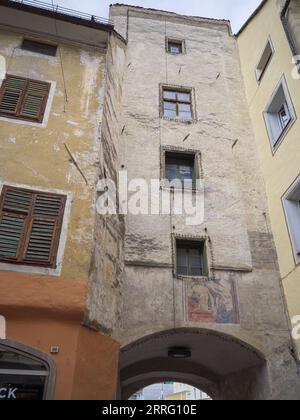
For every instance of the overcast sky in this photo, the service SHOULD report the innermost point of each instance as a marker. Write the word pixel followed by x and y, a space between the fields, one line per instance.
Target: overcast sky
pixel 236 10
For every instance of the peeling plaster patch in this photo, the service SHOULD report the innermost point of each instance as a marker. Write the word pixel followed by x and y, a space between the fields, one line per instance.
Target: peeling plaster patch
pixel 35 173
pixel 82 235
pixel 72 122
pixel 87 162
pixel 89 83
pixel 56 148
pixel 79 133
pixel 68 178
pixel 12 140
pixel 19 52
pixel 29 73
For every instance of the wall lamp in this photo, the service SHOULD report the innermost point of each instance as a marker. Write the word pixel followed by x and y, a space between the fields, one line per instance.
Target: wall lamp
pixel 179 353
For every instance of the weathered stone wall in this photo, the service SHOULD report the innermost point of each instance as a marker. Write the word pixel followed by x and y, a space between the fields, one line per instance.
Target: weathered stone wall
pixel 243 265
pixel 104 303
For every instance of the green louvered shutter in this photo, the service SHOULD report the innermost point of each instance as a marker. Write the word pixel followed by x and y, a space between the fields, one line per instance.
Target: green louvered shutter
pixel 15 208
pixel 23 98
pixel 30 226
pixel 11 230
pixel 34 102
pixel 42 241
pixel 12 91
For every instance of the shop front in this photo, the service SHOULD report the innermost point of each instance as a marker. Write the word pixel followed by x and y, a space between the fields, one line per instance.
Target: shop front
pixel 25 374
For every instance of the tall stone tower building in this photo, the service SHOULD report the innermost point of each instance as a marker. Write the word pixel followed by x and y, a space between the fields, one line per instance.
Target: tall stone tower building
pixel 184 107
pixel 114 302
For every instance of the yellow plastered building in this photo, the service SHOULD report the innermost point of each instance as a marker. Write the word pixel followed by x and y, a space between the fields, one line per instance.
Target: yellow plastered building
pixel 269 46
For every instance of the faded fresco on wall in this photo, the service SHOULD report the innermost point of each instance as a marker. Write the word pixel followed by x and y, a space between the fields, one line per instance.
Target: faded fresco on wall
pixel 212 300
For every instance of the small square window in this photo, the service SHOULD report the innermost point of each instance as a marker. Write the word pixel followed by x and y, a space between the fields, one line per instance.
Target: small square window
pixel 291 202
pixel 177 104
pixel 191 258
pixel 180 170
pixel 264 61
pixel 175 47
pixel 39 47
pixel 279 114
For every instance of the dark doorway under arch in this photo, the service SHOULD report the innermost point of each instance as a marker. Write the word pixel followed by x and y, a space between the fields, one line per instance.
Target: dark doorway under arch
pixel 220 365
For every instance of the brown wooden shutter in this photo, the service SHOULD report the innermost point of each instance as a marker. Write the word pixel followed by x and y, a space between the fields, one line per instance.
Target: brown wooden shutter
pixel 15 208
pixel 35 99
pixel 30 226
pixel 42 239
pixel 24 98
pixel 12 91
pixel 11 231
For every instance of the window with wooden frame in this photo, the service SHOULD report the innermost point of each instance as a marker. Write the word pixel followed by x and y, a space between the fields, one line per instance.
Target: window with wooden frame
pixel 39 47
pixel 23 99
pixel 177 104
pixel 181 169
pixel 30 226
pixel 174 46
pixel 191 258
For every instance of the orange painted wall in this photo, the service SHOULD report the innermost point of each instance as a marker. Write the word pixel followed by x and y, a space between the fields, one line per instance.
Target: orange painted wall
pixel 57 296
pixel 97 366
pixel 41 334
pixel 43 311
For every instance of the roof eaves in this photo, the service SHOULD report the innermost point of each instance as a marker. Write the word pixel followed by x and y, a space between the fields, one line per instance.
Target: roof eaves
pixel 256 11
pixel 56 14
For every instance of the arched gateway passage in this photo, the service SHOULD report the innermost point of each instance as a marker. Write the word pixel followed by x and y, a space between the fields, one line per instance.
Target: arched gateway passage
pixel 220 365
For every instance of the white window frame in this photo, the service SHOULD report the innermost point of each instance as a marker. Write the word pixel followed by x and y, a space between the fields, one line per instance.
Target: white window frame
pixel 275 126
pixel 264 60
pixel 283 123
pixel 291 204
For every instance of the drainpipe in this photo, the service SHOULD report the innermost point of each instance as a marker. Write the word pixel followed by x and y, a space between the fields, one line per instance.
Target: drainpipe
pixel 286 27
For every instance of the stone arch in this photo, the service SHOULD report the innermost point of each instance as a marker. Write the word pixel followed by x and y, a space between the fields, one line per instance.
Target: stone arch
pixel 219 364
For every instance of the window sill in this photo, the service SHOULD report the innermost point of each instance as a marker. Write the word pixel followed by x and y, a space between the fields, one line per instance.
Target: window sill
pixel 22 122
pixel 180 277
pixel 29 269
pixel 190 190
pixel 181 53
pixel 178 120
